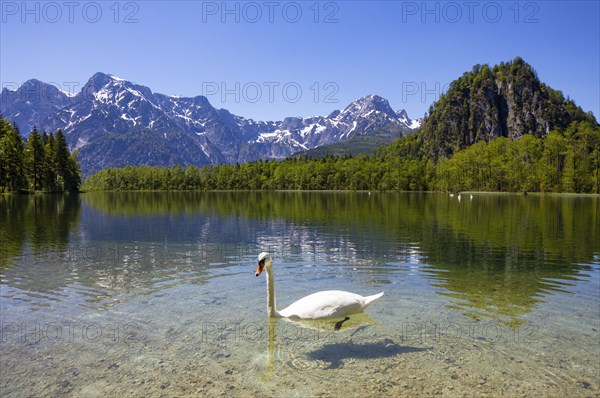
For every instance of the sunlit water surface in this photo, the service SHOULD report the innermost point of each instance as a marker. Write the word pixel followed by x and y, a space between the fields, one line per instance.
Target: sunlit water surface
pixel 154 294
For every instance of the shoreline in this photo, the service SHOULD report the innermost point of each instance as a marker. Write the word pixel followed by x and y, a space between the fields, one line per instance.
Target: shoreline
pixel 575 194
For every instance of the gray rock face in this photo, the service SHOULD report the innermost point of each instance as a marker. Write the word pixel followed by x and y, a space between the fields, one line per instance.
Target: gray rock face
pixel 32 103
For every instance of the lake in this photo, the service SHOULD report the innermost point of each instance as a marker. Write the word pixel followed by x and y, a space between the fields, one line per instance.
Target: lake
pixel 154 294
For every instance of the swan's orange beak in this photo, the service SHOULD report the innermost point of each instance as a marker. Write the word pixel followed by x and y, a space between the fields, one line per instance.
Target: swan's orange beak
pixel 261 266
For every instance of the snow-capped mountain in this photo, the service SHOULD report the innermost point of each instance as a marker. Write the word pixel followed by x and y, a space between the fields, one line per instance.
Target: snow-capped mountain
pixel 114 122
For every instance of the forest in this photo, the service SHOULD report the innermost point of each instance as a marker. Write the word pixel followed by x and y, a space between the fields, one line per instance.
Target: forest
pixel 560 161
pixel 41 164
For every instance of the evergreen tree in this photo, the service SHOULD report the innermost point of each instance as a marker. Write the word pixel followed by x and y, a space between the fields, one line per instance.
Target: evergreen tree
pixel 43 164
pixel 35 161
pixel 61 161
pixel 49 178
pixel 12 175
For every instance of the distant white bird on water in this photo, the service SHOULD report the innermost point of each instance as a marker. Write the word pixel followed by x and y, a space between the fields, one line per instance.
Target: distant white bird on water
pixel 471 197
pixel 325 304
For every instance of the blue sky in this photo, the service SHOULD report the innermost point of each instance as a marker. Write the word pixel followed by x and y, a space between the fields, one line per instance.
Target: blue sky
pixel 267 60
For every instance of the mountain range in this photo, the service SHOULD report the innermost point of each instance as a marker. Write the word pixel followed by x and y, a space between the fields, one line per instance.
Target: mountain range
pixel 113 122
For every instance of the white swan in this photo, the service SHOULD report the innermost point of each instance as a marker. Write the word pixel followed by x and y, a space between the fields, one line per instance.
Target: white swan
pixel 326 304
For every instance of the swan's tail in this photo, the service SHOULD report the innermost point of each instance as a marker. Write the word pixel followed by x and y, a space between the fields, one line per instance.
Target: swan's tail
pixel 370 299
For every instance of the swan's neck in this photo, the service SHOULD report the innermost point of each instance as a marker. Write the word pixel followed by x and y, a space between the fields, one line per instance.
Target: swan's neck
pixel 271 308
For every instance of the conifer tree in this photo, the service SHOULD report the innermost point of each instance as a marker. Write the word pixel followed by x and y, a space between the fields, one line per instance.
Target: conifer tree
pixel 50 171
pixel 61 160
pixel 12 176
pixel 35 161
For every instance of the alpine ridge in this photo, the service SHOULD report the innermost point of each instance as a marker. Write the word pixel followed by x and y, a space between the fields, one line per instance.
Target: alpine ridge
pixel 113 122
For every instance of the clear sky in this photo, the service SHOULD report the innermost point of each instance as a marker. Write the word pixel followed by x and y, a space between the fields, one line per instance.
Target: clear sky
pixel 271 59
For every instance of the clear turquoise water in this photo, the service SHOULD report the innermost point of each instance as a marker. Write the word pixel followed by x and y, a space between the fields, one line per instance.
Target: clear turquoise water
pixel 131 294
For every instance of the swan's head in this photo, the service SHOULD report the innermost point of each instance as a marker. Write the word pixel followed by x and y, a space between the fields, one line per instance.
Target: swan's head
pixel 264 259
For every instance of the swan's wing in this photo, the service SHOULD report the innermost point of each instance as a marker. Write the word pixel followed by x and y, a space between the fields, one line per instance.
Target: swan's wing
pixel 326 304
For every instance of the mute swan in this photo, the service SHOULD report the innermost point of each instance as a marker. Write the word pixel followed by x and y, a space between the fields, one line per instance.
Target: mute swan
pixel 325 304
